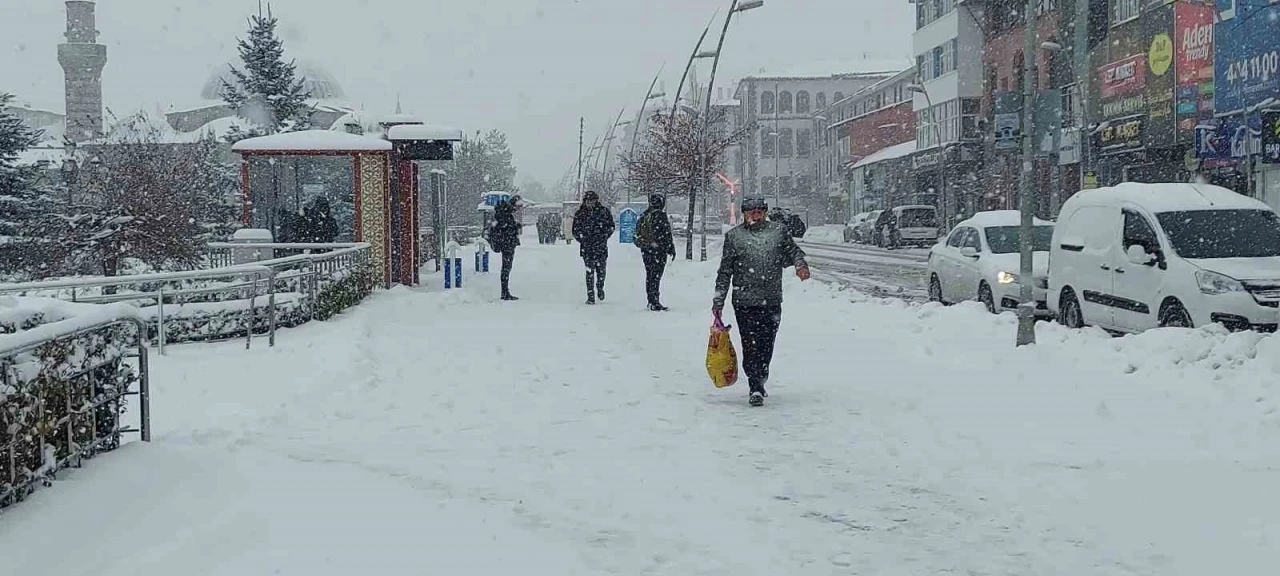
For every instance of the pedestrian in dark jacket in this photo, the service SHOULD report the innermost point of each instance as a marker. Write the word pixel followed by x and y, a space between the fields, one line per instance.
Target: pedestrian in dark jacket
pixel 592 227
pixel 504 237
pixel 653 237
pixel 755 254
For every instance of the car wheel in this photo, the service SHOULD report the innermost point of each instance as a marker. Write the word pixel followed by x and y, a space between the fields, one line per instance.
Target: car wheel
pixel 935 290
pixel 985 297
pixel 1069 313
pixel 1174 315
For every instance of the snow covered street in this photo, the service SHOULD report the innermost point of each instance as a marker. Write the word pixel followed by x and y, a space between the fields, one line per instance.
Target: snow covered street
pixel 427 432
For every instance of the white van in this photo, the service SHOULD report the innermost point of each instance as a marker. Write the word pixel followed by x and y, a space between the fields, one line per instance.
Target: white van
pixel 1139 256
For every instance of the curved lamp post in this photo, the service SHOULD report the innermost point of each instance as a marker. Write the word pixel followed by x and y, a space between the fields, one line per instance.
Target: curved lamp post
pixel 734 8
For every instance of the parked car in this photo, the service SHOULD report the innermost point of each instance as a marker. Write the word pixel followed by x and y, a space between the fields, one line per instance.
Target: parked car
pixel 851 229
pixel 980 260
pixel 914 224
pixel 864 231
pixel 1138 256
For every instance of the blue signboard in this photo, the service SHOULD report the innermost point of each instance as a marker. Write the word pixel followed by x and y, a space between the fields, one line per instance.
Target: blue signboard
pixel 627 225
pixel 1246 54
pixel 495 198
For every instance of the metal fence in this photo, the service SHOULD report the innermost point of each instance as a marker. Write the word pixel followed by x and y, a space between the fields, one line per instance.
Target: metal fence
pixel 228 301
pixel 64 389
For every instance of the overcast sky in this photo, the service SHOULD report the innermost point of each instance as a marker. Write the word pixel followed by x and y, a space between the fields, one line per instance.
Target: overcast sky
pixel 527 67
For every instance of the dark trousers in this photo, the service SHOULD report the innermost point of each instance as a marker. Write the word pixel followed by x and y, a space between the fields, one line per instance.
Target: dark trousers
pixel 758 326
pixel 596 264
pixel 507 257
pixel 655 264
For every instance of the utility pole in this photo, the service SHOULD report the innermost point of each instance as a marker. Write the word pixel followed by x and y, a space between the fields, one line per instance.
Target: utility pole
pixel 1081 55
pixel 582 127
pixel 1026 273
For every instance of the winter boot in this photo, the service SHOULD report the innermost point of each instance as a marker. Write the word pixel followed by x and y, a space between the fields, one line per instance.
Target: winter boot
pixel 591 288
pixel 756 398
pixel 656 307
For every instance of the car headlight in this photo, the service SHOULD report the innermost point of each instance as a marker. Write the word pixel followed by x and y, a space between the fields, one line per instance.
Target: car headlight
pixel 1006 277
pixel 1215 283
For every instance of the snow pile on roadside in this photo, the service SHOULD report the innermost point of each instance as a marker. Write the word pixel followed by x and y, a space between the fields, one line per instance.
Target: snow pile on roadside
pixel 446 431
pixel 830 233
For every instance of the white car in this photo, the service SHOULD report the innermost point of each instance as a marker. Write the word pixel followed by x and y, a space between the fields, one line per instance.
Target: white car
pixel 851 229
pixel 1139 256
pixel 980 261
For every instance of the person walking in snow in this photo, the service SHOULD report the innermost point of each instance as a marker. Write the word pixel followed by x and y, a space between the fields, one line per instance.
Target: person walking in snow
pixel 755 254
pixel 504 237
pixel 653 237
pixel 592 227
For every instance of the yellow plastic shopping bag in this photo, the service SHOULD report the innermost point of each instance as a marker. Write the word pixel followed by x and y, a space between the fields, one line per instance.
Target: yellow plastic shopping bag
pixel 722 359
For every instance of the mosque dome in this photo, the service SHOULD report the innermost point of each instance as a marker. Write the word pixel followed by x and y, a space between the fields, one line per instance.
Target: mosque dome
pixel 316 79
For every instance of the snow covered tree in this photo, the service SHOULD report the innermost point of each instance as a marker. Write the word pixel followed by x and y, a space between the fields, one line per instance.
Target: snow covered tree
pixel 481 164
pixel 266 91
pixel 670 160
pixel 25 206
pixel 147 200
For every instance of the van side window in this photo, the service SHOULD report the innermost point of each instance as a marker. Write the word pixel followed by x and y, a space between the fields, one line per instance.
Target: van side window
pixel 971 240
pixel 1138 232
pixel 957 236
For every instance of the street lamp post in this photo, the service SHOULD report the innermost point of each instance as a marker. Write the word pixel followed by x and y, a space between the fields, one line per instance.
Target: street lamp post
pixel 1026 274
pixel 942 160
pixel 734 8
pixel 635 137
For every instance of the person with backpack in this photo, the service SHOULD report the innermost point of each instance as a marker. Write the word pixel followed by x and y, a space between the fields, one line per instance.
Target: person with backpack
pixel 592 227
pixel 504 237
pixel 755 254
pixel 653 237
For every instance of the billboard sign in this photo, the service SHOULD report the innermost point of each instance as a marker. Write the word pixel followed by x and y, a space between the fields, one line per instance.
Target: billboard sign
pixel 1246 56
pixel 1193 47
pixel 1123 77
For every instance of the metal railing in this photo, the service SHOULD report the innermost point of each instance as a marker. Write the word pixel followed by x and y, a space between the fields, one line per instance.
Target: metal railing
pixel 210 301
pixel 63 390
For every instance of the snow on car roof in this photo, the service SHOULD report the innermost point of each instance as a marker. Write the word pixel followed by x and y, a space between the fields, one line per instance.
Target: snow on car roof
pixel 311 141
pixel 1169 197
pixel 994 218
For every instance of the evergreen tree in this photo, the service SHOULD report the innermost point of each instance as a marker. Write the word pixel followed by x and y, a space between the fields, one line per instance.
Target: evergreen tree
pixel 266 91
pixel 25 207
pixel 481 164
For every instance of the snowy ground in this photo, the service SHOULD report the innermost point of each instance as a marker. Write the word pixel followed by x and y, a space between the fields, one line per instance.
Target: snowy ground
pixel 432 433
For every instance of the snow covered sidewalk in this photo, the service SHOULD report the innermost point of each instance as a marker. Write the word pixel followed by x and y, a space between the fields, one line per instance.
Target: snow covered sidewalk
pixel 448 433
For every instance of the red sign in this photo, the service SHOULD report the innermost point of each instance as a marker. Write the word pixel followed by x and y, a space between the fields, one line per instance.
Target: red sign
pixel 1193 42
pixel 1123 77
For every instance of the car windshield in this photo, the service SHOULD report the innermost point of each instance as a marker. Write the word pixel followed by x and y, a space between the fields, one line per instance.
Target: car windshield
pixel 1222 233
pixel 918 218
pixel 1008 239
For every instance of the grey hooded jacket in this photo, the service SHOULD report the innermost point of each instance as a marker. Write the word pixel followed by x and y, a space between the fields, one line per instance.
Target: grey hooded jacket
pixel 753 261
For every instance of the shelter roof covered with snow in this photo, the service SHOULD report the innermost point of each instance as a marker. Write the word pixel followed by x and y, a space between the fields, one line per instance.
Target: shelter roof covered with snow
pixel 890 153
pixel 312 141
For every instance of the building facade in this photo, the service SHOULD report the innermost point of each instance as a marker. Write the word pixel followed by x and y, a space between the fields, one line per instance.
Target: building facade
pixel 778 159
pixel 948 46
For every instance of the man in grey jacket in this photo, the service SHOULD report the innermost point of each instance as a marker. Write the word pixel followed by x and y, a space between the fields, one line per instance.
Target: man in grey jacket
pixel 755 254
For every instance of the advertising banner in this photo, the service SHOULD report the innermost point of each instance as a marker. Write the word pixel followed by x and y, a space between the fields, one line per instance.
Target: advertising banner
pixel 1123 78
pixel 1193 46
pixel 1271 136
pixel 1246 55
pixel 1157 28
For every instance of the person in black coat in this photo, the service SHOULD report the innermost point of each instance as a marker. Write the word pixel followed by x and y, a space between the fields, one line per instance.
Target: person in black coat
pixel 653 237
pixel 504 237
pixel 592 227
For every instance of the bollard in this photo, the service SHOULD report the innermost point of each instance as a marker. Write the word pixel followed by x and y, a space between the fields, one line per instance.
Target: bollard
pixel 482 255
pixel 452 266
pixel 485 262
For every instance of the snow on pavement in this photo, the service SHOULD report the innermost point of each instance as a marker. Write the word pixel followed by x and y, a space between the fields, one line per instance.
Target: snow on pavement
pixel 449 433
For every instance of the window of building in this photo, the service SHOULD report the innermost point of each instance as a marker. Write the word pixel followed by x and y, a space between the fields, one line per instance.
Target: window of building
pixel 768 144
pixel 784 184
pixel 785 105
pixel 803 184
pixel 822 100
pixel 839 96
pixel 1125 10
pixel 766 103
pixel 804 143
pixel 767 185
pixel 1018 73
pixel 1072 111
pixel 927 11
pixel 802 102
pixel 786 143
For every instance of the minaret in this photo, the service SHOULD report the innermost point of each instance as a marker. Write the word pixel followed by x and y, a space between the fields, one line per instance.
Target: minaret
pixel 82 60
